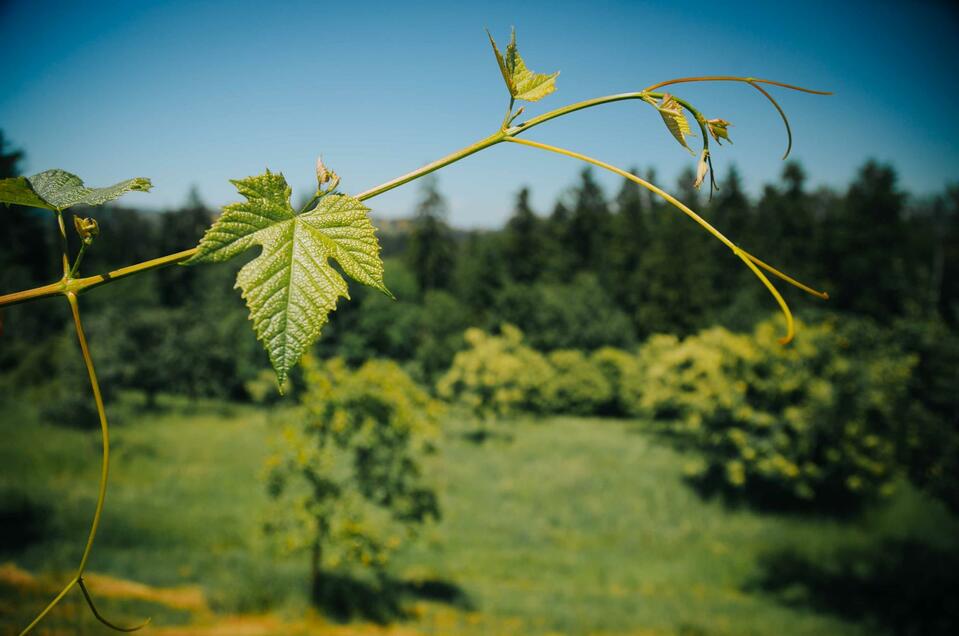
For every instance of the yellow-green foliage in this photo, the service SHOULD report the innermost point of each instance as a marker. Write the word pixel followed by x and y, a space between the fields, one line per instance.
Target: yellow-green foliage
pixel 497 375
pixel 815 419
pixel 621 370
pixel 577 385
pixel 347 474
pixel 262 388
pixel 632 383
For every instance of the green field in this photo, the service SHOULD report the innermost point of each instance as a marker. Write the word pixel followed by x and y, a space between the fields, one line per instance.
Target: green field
pixel 563 526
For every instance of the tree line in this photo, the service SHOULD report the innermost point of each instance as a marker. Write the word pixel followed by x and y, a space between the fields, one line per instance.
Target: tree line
pixel 597 269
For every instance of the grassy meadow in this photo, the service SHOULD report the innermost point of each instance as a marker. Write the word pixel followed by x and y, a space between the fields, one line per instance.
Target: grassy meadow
pixel 552 526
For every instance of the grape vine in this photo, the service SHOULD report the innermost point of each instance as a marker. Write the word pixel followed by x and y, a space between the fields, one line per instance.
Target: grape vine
pixel 290 287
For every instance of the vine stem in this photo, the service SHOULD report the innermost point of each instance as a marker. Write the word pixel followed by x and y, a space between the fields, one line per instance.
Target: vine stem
pixel 64 249
pixel 734 78
pixel 751 261
pixel 755 83
pixel 104 429
pixel 77 285
pixel 104 478
pixel 76 263
pixel 453 157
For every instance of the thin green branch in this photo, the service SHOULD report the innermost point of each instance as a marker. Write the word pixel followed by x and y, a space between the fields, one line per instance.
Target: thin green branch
pixel 104 430
pixel 746 257
pixel 755 83
pixel 482 144
pixel 76 263
pixel 782 114
pixel 64 246
pixel 82 284
pixel 572 108
pixel 104 475
pixel 50 606
pixel 99 616
pixel 734 78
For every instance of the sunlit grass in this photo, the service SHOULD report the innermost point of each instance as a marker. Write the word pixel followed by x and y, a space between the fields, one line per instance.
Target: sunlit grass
pixel 571 526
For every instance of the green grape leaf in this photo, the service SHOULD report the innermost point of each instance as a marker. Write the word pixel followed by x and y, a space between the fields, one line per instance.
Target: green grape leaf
pixel 17 191
pixel 674 118
pixel 522 83
pixel 291 288
pixel 59 190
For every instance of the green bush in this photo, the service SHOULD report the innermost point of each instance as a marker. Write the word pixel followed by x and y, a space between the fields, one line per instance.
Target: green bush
pixel 632 382
pixel 497 375
pixel 929 444
pixel 263 389
pixel 347 479
pixel 577 385
pixel 814 420
pixel 621 370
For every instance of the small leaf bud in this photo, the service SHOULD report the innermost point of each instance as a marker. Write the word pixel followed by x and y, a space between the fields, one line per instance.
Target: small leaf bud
pixel 322 174
pixel 718 129
pixel 87 228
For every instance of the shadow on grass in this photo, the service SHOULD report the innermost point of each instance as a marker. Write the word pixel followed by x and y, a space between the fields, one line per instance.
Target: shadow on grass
pixel 482 435
pixel 900 587
pixel 768 498
pixel 23 521
pixel 382 600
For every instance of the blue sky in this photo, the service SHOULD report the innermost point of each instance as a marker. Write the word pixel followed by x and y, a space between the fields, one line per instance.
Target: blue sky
pixel 201 92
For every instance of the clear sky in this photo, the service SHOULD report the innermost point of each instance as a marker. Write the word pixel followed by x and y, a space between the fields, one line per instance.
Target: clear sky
pixel 200 92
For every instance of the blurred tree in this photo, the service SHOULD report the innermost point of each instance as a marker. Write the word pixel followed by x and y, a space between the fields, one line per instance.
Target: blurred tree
pixel 373 325
pixel 576 315
pixel 431 250
pixel 25 254
pixel 347 478
pixel 864 252
pixel 785 226
pixel 589 230
pixel 443 319
pixel 677 293
pixel 27 259
pixel 559 260
pixel 177 229
pixel 481 271
pixel 627 243
pixel 943 254
pixel 732 214
pixel 523 242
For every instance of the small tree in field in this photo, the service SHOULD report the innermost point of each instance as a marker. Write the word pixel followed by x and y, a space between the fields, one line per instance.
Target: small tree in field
pixel 347 479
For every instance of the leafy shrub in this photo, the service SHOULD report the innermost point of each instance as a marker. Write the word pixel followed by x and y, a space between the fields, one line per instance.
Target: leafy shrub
pixel 347 477
pixel 814 420
pixel 632 387
pixel 263 389
pixel 621 370
pixel 497 375
pixel 577 385
pixel 929 444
